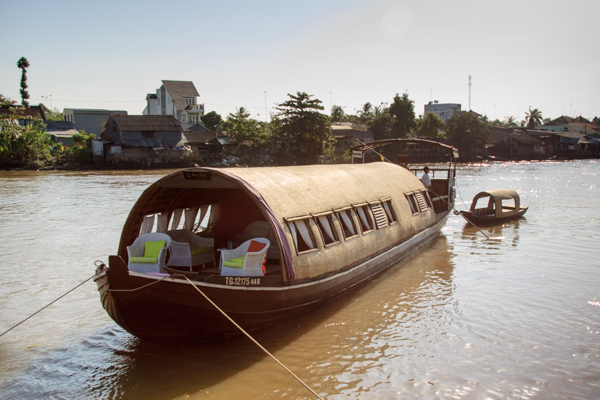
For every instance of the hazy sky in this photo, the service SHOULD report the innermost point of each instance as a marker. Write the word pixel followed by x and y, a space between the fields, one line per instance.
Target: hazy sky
pixel 110 54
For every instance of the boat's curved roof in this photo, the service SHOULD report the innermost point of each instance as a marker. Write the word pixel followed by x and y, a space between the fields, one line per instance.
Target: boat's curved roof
pixel 281 192
pixel 498 194
pixel 295 191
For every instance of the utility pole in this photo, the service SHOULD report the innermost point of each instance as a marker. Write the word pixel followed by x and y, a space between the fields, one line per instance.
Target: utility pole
pixel 469 92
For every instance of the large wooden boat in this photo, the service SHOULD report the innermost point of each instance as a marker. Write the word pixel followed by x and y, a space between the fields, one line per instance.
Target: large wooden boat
pixel 495 206
pixel 330 227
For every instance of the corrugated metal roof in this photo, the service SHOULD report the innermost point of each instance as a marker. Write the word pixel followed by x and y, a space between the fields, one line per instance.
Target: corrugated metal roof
pixel 63 134
pixel 138 123
pixel 198 137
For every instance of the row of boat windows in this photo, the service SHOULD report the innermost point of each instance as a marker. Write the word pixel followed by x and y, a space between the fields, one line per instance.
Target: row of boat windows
pixel 353 220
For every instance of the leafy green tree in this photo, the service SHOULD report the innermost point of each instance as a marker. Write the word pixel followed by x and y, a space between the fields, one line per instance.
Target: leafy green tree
pixel 403 111
pixel 212 120
pixel 52 115
pixel 302 130
pixel 382 125
pixel 534 118
pixel 468 133
pixel 21 143
pixel 244 129
pixel 337 114
pixel 429 126
pixel 23 64
pixel 81 149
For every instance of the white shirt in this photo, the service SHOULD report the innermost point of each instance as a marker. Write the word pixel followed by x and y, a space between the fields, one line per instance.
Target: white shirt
pixel 426 181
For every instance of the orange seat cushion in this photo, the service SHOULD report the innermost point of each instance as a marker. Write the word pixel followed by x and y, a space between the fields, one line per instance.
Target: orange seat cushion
pixel 255 246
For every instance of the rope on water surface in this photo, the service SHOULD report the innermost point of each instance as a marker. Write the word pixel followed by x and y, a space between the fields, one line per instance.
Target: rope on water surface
pixel 254 340
pixel 46 306
pixel 456 212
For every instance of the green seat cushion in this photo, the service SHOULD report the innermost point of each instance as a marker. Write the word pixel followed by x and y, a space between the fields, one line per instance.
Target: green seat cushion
pixel 235 262
pixel 152 249
pixel 201 250
pixel 144 260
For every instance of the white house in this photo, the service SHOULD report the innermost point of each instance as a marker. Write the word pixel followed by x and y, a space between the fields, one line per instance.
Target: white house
pixel 444 111
pixel 177 98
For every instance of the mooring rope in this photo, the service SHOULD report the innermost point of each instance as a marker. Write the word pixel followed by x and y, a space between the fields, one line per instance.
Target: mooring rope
pixel 46 306
pixel 253 340
pixel 141 287
pixel 456 212
pixel 230 320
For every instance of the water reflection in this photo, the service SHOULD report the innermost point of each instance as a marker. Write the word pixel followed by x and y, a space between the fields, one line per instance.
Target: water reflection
pixel 498 235
pixel 380 335
pixel 354 341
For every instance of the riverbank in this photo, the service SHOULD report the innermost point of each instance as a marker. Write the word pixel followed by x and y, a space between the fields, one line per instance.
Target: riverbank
pixel 227 161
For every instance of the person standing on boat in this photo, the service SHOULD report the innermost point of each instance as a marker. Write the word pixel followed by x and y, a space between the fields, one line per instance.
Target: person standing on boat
pixel 425 178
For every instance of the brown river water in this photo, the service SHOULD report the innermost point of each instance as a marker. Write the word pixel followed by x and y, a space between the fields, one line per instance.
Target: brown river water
pixel 516 316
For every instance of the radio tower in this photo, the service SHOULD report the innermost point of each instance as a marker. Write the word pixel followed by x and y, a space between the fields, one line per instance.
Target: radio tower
pixel 469 92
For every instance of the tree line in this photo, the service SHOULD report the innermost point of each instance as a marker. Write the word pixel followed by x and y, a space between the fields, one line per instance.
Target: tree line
pixel 24 141
pixel 301 131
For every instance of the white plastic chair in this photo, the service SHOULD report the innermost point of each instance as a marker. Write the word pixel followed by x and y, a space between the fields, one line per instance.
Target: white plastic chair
pixel 251 263
pixel 260 229
pixel 189 249
pixel 138 262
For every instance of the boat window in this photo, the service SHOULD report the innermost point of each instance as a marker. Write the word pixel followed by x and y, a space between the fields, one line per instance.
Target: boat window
pixel 412 202
pixel 206 215
pixel 347 223
pixel 302 235
pixel 421 201
pixel 427 198
pixel 381 220
pixel 364 218
pixel 148 224
pixel 389 211
pixel 485 203
pixel 162 222
pixel 509 203
pixel 327 229
pixel 176 220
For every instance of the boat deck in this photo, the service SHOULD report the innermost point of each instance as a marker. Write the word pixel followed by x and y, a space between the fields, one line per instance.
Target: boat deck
pixel 272 269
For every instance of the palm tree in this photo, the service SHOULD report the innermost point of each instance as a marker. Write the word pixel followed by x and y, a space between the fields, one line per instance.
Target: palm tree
pixel 367 112
pixel 509 120
pixel 337 114
pixel 23 64
pixel 534 118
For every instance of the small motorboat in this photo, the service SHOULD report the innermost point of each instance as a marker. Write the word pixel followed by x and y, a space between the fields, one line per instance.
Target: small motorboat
pixel 493 206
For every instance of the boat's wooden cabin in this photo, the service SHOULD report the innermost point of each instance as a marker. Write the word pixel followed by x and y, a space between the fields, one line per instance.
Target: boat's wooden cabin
pixel 320 219
pixel 499 204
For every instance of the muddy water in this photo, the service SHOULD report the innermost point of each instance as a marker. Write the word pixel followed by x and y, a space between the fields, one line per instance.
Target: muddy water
pixel 516 316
